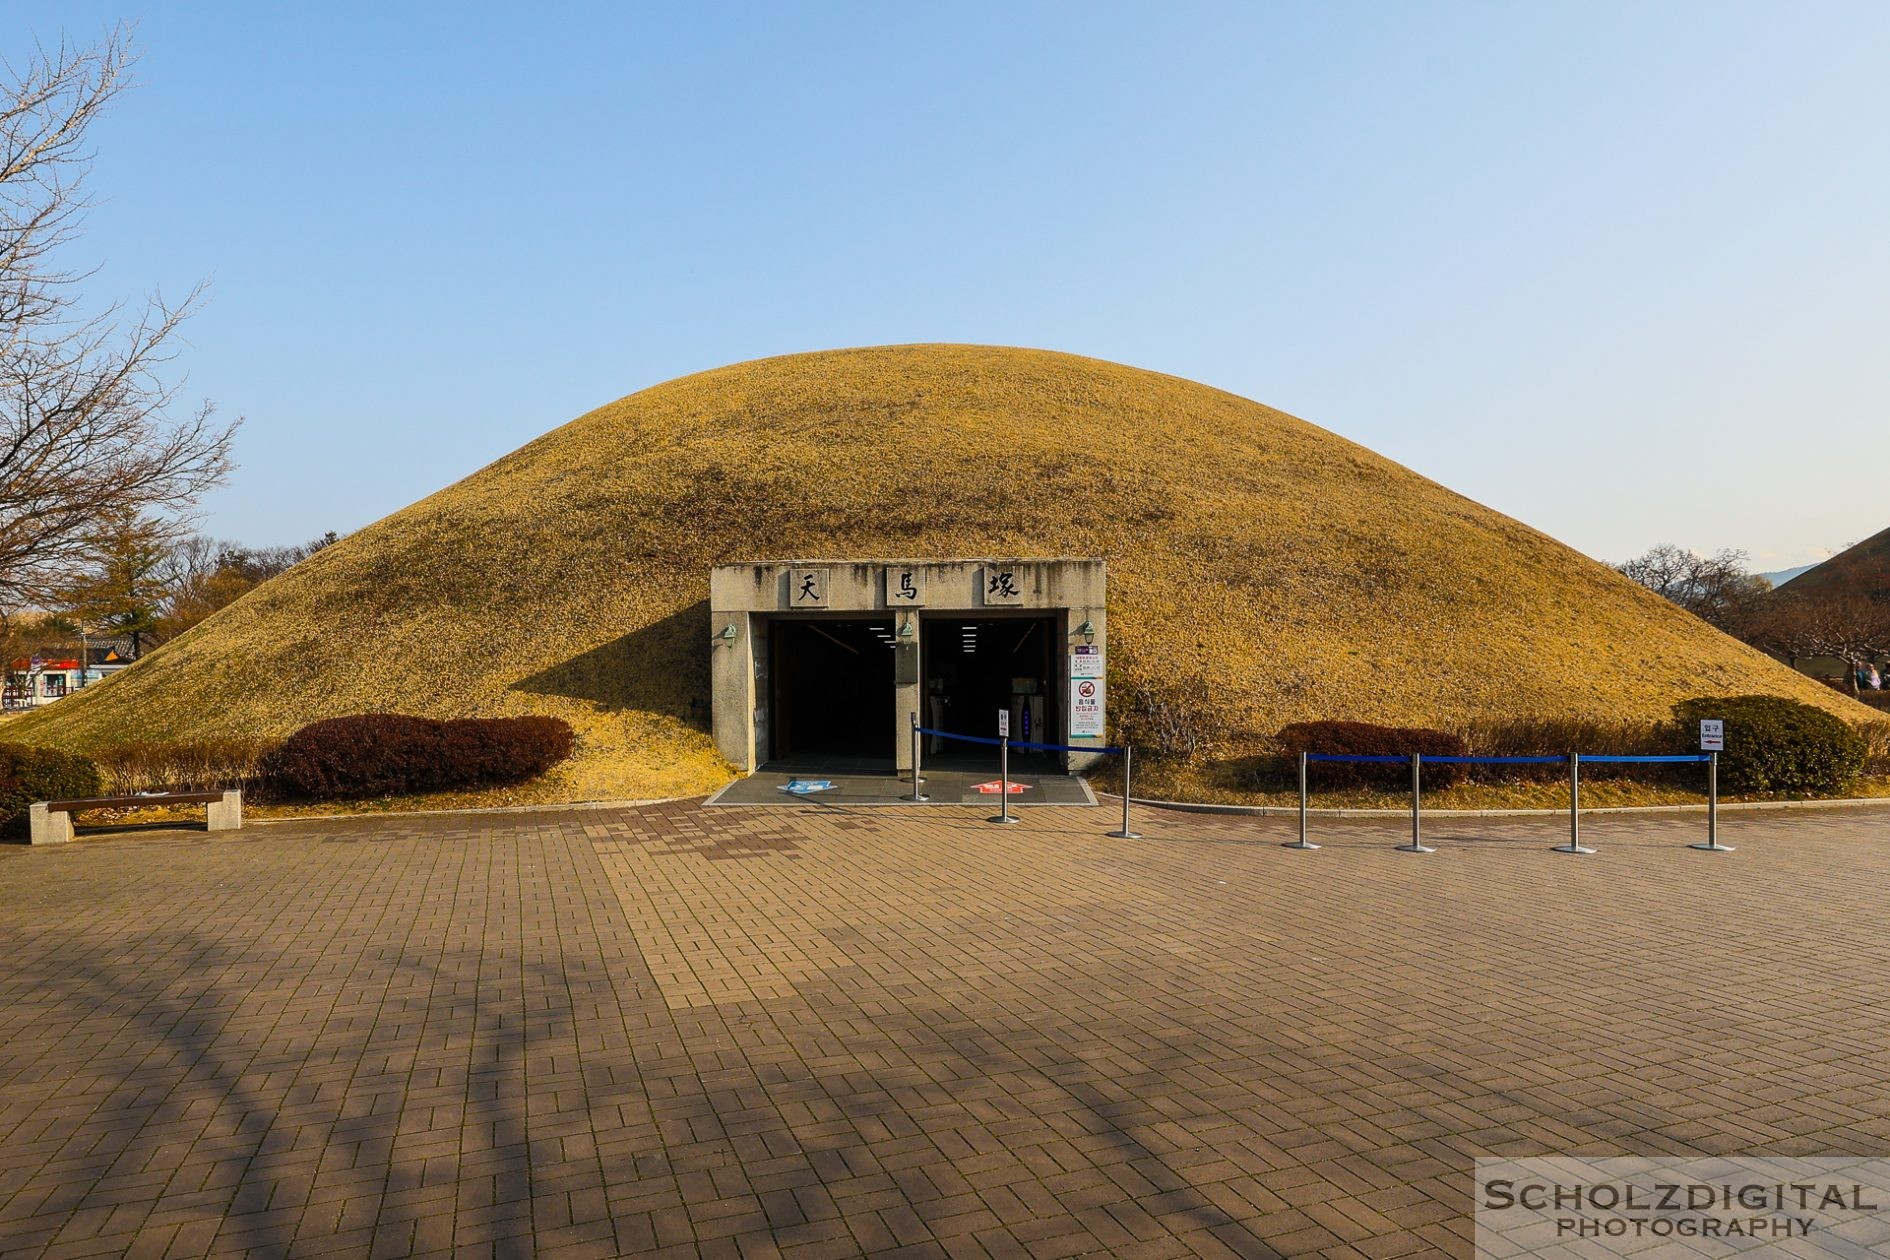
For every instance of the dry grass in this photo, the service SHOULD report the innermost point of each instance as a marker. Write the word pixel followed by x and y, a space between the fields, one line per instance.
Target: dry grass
pixel 199 765
pixel 1876 747
pixel 1262 570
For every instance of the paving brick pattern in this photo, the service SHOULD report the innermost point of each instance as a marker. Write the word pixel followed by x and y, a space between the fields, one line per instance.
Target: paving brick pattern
pixel 808 1033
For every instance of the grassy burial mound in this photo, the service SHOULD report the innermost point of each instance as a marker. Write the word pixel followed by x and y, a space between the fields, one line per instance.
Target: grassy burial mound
pixel 1863 569
pixel 1262 570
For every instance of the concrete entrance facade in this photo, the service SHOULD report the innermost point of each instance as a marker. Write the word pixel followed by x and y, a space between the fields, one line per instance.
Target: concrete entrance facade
pixel 788 636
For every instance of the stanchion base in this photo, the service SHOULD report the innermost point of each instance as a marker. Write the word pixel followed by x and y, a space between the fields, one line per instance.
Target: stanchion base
pixel 1124 835
pixel 1416 848
pixel 1299 844
pixel 1712 848
pixel 1005 818
pixel 1571 848
pixel 916 796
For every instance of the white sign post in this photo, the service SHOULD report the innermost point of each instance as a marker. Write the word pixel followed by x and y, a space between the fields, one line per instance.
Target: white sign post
pixel 1004 767
pixel 1712 743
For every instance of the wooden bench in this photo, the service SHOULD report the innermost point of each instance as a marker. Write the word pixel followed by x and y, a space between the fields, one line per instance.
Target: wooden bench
pixel 52 820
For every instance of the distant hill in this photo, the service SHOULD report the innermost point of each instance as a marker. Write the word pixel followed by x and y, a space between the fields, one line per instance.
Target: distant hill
pixel 1783 576
pixel 1864 568
pixel 1261 569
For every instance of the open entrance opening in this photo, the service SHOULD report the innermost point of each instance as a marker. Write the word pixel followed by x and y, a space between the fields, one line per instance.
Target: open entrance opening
pixel 974 667
pixel 833 693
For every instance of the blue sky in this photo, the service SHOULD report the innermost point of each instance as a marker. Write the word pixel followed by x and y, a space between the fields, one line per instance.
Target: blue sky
pixel 1621 271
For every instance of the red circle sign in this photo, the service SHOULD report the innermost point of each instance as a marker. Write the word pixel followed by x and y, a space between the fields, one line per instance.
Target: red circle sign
pixel 1086 690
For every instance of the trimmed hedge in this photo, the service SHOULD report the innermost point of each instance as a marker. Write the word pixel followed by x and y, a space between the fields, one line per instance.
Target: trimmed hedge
pixel 29 774
pixel 1776 745
pixel 392 754
pixel 1369 740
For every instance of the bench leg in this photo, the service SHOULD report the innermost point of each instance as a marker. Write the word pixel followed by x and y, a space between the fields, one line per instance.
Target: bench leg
pixel 227 814
pixel 50 827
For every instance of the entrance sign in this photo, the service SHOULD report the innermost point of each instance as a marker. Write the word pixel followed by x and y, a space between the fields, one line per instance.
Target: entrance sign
pixel 905 588
pixel 1086 661
pixel 996 786
pixel 807 588
pixel 1086 712
pixel 1003 585
pixel 1004 723
pixel 1712 735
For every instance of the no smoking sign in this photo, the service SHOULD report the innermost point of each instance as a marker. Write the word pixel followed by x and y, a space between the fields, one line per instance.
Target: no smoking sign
pixel 1086 715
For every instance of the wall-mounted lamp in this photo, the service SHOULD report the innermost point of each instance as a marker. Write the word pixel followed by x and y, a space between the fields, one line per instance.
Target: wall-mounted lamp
pixel 1087 630
pixel 728 635
pixel 906 632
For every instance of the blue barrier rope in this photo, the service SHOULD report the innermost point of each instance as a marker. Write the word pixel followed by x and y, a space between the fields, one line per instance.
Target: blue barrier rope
pixel 1431 759
pixel 969 739
pixel 1018 743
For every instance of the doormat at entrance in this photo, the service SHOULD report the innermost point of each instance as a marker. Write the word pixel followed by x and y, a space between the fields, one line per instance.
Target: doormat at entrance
pixel 942 787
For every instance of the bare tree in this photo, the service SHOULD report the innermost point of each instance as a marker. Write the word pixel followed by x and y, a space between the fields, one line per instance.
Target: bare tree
pixel 1850 624
pixel 203 575
pixel 87 429
pixel 1719 589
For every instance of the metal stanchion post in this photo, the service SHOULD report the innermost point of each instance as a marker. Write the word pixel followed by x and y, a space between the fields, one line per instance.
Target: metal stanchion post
pixel 1417 829
pixel 1128 779
pixel 917 779
pixel 1712 844
pixel 1302 842
pixel 1004 781
pixel 1574 844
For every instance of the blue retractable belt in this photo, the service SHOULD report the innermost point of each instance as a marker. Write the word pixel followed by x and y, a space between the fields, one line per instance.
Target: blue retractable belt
pixel 1018 743
pixel 1433 759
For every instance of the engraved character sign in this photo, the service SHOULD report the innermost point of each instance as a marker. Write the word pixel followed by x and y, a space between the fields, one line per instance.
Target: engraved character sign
pixel 1003 584
pixel 905 588
pixel 807 588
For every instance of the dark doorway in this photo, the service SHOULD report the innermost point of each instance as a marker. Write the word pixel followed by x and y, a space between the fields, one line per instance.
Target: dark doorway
pixel 976 666
pixel 833 697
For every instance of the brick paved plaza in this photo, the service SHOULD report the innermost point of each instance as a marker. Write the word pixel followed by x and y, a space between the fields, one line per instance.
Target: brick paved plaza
pixel 800 1032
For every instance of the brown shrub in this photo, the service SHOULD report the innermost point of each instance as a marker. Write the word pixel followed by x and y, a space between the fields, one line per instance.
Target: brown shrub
pixel 1367 739
pixel 392 754
pixel 29 774
pixel 1555 737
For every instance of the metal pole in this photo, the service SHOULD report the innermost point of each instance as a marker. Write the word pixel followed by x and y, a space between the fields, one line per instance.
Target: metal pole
pixel 1302 842
pixel 917 795
pixel 1128 769
pixel 1574 844
pixel 1417 829
pixel 1004 781
pixel 1712 844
